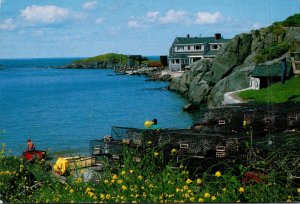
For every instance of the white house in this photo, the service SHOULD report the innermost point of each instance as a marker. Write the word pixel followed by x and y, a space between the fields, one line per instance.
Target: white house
pixel 186 50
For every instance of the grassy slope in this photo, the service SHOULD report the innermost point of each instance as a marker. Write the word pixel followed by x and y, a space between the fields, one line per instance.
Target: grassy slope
pixel 277 93
pixel 106 57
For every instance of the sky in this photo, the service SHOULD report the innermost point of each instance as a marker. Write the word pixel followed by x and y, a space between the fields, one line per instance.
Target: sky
pixel 86 28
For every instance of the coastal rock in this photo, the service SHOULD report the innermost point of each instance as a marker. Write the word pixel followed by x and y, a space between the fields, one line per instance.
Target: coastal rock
pixel 199 90
pixel 236 81
pixel 231 55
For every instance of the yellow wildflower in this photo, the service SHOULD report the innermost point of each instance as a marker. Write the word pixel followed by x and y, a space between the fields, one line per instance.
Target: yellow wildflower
pixel 79 180
pixel 206 195
pixel 298 189
pixel 149 142
pixel 113 180
pixel 178 190
pixel 91 194
pixel 192 199
pixel 288 200
pixel 238 201
pixel 224 189
pixel 140 177
pixel 107 196
pixel 185 187
pixel 200 200
pixel 213 198
pixel 155 154
pixel 123 173
pixel 106 181
pixel 186 195
pixel 115 176
pixel 241 190
pixel 71 191
pixel 102 196
pixel 199 181
pixel 218 174
pixel 190 191
pixel 88 189
pixel 188 181
pixel 173 151
pixel 131 171
pixel 124 188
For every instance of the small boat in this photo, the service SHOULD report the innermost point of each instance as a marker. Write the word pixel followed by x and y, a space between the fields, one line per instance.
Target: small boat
pixel 30 155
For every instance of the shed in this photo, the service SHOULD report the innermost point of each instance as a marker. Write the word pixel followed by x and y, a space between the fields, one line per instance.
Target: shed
pixel 269 74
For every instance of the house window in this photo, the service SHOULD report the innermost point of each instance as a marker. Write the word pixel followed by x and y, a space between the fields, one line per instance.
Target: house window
pixel 180 48
pixel 214 47
pixel 188 47
pixel 198 47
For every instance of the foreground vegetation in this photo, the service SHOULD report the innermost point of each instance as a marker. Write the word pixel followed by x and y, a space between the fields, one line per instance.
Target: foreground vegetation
pixel 276 93
pixel 144 181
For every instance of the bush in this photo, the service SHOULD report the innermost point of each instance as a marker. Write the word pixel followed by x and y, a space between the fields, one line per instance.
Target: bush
pixel 292 21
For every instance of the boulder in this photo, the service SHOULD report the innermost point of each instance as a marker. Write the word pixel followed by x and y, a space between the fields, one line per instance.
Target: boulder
pixel 236 81
pixel 231 55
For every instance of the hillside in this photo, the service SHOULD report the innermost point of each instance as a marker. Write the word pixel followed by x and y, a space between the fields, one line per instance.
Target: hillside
pixel 207 81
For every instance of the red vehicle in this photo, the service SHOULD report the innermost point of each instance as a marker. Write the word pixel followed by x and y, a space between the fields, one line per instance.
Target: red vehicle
pixel 34 154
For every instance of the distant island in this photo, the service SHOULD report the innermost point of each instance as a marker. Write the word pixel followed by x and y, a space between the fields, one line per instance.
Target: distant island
pixel 110 60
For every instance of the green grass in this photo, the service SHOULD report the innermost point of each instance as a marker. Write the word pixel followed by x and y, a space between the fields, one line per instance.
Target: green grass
pixel 113 57
pixel 276 93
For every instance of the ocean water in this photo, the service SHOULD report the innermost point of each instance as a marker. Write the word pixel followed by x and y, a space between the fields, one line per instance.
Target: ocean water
pixel 63 109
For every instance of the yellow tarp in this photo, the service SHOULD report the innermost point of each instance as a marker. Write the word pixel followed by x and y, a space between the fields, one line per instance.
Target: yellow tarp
pixel 61 166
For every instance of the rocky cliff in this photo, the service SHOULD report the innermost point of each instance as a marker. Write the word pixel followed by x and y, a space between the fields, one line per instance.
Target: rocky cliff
pixel 207 81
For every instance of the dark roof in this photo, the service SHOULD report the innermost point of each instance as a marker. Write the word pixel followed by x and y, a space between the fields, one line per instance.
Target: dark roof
pixel 269 70
pixel 221 40
pixel 211 52
pixel 192 40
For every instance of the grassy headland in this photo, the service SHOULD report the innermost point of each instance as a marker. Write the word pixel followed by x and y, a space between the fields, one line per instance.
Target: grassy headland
pixel 116 58
pixel 276 93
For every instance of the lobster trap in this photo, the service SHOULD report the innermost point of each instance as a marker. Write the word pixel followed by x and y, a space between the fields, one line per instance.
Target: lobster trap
pixel 187 143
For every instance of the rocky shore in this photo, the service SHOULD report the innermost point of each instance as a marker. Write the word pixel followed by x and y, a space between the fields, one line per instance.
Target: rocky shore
pixel 206 81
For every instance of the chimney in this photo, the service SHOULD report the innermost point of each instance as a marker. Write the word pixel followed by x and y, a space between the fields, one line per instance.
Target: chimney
pixel 217 36
pixel 188 35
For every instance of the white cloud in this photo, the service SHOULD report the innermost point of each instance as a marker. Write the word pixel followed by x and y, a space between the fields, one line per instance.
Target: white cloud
pixel 48 14
pixel 208 18
pixel 99 20
pixel 173 16
pixel 90 5
pixel 134 23
pixel 8 24
pixel 152 14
